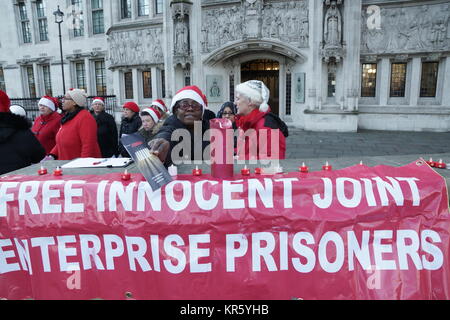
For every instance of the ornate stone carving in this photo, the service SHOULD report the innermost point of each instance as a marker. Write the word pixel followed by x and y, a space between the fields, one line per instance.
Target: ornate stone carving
pixel 285 21
pixel 408 29
pixel 182 54
pixel 332 32
pixel 135 47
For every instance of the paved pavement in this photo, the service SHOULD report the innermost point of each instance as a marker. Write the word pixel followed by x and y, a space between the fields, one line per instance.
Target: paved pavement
pixel 305 144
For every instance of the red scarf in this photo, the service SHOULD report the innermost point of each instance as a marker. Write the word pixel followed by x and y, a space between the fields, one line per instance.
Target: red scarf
pixel 249 121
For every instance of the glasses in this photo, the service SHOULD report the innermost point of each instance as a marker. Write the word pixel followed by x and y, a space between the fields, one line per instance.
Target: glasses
pixel 185 106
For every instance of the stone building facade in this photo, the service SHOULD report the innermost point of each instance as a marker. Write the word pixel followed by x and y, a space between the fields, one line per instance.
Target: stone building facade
pixel 331 65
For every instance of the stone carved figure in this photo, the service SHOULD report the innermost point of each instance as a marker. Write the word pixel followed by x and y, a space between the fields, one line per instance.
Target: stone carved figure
pixel 181 36
pixel 333 26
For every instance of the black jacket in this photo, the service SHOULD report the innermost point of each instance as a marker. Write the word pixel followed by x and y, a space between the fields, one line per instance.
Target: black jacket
pixel 128 126
pixel 106 134
pixel 19 147
pixel 171 124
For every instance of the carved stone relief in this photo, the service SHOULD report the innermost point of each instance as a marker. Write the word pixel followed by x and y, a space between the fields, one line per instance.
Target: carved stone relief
pixel 332 31
pixel 412 29
pixel 253 19
pixel 135 47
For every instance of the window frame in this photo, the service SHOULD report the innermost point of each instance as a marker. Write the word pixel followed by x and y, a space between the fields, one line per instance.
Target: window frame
pixel 78 32
pixel 159 4
pixel 405 77
pixel 42 22
pixel 2 79
pixel 375 90
pixel 143 84
pixel 435 80
pixel 128 85
pixel 129 8
pixel 47 79
pixel 102 77
pixel 83 78
pixel 31 93
pixel 146 6
pixel 95 20
pixel 26 36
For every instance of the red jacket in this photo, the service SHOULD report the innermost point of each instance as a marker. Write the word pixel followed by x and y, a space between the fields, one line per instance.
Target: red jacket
pixel 45 129
pixel 77 138
pixel 256 146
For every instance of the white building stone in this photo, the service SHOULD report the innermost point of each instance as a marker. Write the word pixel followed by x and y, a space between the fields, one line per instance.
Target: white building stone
pixel 331 65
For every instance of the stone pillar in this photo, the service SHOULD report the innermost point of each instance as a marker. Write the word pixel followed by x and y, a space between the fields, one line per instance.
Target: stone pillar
pixel 384 82
pixel 415 81
pixel 91 89
pixel 446 92
pixel 136 95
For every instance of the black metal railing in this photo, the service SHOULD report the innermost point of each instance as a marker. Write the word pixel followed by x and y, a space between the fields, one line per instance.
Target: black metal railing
pixel 31 105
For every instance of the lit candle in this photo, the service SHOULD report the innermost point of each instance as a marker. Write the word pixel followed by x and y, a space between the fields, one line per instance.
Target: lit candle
pixel 327 167
pixel 173 171
pixel 361 163
pixel 126 176
pixel 42 171
pixel 441 164
pixel 57 172
pixel 304 168
pixel 197 171
pixel 245 171
pixel 278 169
pixel 431 163
pixel 258 171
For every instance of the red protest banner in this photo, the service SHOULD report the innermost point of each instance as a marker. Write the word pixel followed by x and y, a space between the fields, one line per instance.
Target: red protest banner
pixel 356 233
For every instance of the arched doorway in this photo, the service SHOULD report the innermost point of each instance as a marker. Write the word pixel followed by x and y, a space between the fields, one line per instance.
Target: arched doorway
pixel 267 71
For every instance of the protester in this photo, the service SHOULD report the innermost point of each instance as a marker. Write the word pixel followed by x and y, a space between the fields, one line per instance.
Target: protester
pixel 77 137
pixel 47 124
pixel 106 128
pixel 151 123
pixel 18 146
pixel 161 106
pixel 254 113
pixel 188 107
pixel 131 123
pixel 228 111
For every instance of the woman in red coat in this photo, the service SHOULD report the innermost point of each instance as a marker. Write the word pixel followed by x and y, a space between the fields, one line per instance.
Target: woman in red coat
pixel 77 137
pixel 47 124
pixel 258 127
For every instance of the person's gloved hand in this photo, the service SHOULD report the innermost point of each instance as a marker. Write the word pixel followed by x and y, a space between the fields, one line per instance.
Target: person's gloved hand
pixel 47 158
pixel 160 148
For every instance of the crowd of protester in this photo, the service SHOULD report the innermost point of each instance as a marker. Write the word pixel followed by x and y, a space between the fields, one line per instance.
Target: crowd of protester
pixel 70 129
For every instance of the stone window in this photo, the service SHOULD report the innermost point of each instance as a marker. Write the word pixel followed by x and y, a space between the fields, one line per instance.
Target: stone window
pixel 159 4
pixel 31 83
pixel 369 80
pixel 125 9
pixel 163 83
pixel 398 79
pixel 128 81
pixel 24 22
pixel 428 82
pixel 231 81
pixel 2 80
pixel 42 20
pixel 288 92
pixel 331 84
pixel 47 80
pixel 80 74
pixel 147 84
pixel 100 77
pixel 77 18
pixel 143 8
pixel 98 24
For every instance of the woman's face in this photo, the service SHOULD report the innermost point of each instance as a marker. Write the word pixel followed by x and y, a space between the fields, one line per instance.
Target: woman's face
pixel 44 110
pixel 188 111
pixel 68 103
pixel 147 123
pixel 228 114
pixel 98 107
pixel 243 104
pixel 127 113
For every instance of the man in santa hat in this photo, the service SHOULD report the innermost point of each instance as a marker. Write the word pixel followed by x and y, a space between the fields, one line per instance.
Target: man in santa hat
pixel 106 128
pixel 188 107
pixel 47 124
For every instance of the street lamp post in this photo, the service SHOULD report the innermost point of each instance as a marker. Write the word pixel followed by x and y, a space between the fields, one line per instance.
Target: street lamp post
pixel 59 18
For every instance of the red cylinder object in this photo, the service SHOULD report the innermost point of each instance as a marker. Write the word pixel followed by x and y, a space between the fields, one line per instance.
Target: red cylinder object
pixel 197 172
pixel 245 171
pixel 42 171
pixel 222 148
pixel 57 172
pixel 126 176
pixel 258 171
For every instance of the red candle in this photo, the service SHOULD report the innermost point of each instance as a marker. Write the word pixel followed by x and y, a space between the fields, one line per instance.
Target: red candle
pixel 245 171
pixel 304 168
pixel 258 171
pixel 197 171
pixel 126 176
pixel 431 163
pixel 42 171
pixel 57 172
pixel 440 164
pixel 327 167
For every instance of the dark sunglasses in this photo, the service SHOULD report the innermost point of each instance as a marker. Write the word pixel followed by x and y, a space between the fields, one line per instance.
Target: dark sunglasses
pixel 185 106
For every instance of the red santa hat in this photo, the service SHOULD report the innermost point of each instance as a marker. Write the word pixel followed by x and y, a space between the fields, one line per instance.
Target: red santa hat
pixel 98 100
pixel 49 102
pixel 153 112
pixel 5 103
pixel 190 92
pixel 160 104
pixel 131 106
